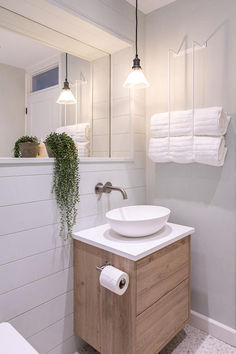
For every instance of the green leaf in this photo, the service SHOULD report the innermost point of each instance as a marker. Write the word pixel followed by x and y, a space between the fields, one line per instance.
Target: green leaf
pixel 65 179
pixel 23 139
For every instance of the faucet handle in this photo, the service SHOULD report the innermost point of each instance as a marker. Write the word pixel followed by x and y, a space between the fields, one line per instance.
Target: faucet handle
pixel 98 188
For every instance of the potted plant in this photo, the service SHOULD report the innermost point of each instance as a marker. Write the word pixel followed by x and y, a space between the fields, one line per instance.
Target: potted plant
pixel 27 146
pixel 65 179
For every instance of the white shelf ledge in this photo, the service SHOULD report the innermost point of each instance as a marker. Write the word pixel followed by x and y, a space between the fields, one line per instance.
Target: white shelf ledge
pixel 46 161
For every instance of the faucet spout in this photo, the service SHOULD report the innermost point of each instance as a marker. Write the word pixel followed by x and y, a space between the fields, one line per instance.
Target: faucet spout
pixel 108 187
pixel 119 189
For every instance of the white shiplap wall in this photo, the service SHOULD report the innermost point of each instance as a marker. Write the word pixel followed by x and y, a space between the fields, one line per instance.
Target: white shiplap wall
pixel 36 274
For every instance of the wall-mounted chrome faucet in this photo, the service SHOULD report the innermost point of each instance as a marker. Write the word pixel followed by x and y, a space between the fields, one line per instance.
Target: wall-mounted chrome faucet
pixel 107 188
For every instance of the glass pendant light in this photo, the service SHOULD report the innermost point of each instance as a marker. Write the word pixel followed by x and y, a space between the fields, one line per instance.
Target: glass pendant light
pixel 66 95
pixel 136 79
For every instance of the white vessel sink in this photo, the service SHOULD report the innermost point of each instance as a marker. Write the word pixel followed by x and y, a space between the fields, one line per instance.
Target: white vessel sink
pixel 138 220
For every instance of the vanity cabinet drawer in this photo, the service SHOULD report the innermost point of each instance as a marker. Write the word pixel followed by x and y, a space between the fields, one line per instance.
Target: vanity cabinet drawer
pixel 161 272
pixel 156 326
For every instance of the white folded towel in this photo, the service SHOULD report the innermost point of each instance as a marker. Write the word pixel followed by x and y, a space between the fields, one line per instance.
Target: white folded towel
pixel 187 149
pixel 83 149
pixel 207 121
pixel 78 132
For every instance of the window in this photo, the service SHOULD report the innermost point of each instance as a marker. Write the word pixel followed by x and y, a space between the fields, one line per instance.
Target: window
pixel 44 80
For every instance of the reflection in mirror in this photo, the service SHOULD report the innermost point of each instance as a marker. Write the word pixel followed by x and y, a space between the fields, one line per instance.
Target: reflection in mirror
pixel 31 78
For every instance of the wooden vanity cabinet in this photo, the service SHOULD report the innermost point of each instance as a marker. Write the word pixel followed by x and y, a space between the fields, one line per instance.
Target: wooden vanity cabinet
pixel 155 307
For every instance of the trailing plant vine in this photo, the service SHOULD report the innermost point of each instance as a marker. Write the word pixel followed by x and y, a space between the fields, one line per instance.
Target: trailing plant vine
pixel 65 179
pixel 23 139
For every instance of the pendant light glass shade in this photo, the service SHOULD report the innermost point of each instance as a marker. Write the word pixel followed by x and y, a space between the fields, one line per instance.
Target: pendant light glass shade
pixel 66 95
pixel 136 78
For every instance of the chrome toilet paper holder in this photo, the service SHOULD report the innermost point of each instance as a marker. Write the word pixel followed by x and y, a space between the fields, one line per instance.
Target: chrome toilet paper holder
pixel 103 266
pixel 122 282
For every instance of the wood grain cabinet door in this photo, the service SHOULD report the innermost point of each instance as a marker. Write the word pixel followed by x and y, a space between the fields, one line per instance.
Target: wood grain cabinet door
pixel 87 314
pixel 163 320
pixel 161 272
pixel 103 319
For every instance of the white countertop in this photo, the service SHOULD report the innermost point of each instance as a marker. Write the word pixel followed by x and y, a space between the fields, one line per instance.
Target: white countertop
pixel 129 247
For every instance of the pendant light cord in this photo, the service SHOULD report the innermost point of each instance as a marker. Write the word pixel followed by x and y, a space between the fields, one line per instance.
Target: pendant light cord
pixel 136 34
pixel 66 66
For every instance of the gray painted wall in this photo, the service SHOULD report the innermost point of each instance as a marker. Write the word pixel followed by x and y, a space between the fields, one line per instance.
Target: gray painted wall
pixel 198 195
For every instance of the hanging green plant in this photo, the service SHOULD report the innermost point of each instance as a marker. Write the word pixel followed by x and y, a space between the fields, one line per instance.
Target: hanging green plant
pixel 21 140
pixel 65 179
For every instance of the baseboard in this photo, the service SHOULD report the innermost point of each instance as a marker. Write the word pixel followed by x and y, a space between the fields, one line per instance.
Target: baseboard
pixel 214 328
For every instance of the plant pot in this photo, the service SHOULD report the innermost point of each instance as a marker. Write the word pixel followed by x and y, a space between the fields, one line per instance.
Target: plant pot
pixel 29 149
pixel 49 151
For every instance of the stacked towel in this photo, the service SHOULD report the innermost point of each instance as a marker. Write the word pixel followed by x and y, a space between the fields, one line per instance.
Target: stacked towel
pixel 187 140
pixel 207 150
pixel 80 133
pixel 83 149
pixel 207 121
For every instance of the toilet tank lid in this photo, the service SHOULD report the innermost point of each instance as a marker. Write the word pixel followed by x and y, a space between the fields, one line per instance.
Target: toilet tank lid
pixel 11 342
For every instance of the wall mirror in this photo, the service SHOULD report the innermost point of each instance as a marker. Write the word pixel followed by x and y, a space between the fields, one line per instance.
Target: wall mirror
pixel 31 78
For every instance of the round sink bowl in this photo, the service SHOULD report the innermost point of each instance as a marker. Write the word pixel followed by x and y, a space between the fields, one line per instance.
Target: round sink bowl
pixel 138 220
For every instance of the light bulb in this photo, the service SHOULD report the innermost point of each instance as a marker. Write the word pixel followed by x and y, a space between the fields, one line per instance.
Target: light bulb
pixel 136 79
pixel 66 97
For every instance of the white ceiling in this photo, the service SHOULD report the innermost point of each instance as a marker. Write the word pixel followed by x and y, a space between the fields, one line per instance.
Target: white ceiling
pixel 147 6
pixel 23 52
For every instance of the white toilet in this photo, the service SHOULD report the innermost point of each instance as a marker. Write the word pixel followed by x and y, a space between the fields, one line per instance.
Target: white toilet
pixel 11 342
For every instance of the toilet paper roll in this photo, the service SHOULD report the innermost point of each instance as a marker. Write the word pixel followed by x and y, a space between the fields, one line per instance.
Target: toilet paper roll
pixel 114 280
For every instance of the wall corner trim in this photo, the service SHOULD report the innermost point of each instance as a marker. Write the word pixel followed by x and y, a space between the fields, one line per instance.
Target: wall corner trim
pixel 214 328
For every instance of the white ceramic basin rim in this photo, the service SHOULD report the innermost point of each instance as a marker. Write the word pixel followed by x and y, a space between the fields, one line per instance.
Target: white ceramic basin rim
pixel 138 220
